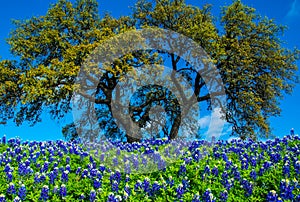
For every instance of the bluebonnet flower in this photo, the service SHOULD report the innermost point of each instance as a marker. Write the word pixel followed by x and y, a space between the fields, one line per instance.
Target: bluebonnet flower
pixel 11 188
pixel 155 187
pixel 78 170
pixel 111 197
pixel 137 185
pixel 245 164
pixel 64 176
pixel 185 183
pixel 196 198
pixel 67 160
pixel 17 199
pixel 22 192
pixel 267 165
pixel 127 189
pixel 44 193
pixel 92 195
pixel 2 198
pixel 127 178
pixel 275 157
pixel 127 167
pixel 9 176
pixel 117 176
pixel 229 184
pixel 223 196
pixel 215 171
pixel 68 168
pixel 61 169
pixel 179 190
pixel 55 164
pixel 207 169
pixel 45 167
pixel 135 162
pixel 7 168
pixel 102 168
pixel 42 177
pixel 29 170
pixel 55 189
pixel 182 169
pixel 224 156
pixel 253 161
pixel 286 190
pixel 81 197
pixel 63 191
pixel 115 186
pixel 261 171
pixel 170 181
pixel 97 183
pixel 161 164
pixel 52 177
pixel 208 196
pixel 253 174
pixel 55 171
pixel 112 177
pixel 248 187
pixel 85 173
pixel 237 175
pixel 22 169
pixel 4 139
pixel 272 196
pixel 146 185
pixel 286 169
pixel 115 161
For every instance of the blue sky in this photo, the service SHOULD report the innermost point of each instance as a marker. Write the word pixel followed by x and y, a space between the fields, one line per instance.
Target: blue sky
pixel 286 12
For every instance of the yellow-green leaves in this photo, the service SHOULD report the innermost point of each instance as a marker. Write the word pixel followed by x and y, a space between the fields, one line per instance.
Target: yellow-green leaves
pixel 50 51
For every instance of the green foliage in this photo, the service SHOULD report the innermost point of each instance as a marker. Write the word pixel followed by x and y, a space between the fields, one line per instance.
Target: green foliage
pixel 256 70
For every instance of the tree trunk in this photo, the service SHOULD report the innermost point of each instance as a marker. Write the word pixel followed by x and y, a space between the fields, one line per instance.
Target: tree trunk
pixel 175 127
pixel 132 138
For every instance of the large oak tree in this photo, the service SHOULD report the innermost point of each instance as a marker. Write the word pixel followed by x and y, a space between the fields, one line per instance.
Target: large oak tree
pixel 254 66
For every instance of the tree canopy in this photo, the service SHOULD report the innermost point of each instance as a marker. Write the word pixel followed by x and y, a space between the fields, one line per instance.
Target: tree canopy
pixel 49 51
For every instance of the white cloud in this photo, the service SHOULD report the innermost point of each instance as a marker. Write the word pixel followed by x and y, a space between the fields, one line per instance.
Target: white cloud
pixel 294 10
pixel 214 125
pixel 204 122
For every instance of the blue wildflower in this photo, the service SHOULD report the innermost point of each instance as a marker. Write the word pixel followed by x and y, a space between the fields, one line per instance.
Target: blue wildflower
pixel 11 188
pixel 223 196
pixel 97 183
pixel 9 176
pixel 92 195
pixel 63 191
pixel 44 193
pixel 253 174
pixel 64 176
pixel 208 196
pixel 286 190
pixel 180 191
pixel 22 192
pixel 2 198
pixel 17 199
pixel 272 196
pixel 196 198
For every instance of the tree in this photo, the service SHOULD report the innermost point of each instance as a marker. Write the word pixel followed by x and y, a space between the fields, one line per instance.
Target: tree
pixel 255 69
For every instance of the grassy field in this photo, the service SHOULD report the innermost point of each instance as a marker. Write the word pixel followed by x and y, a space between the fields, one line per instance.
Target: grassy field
pixel 154 170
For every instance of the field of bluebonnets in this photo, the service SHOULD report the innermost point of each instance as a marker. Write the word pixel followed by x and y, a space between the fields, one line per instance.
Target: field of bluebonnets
pixel 223 171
